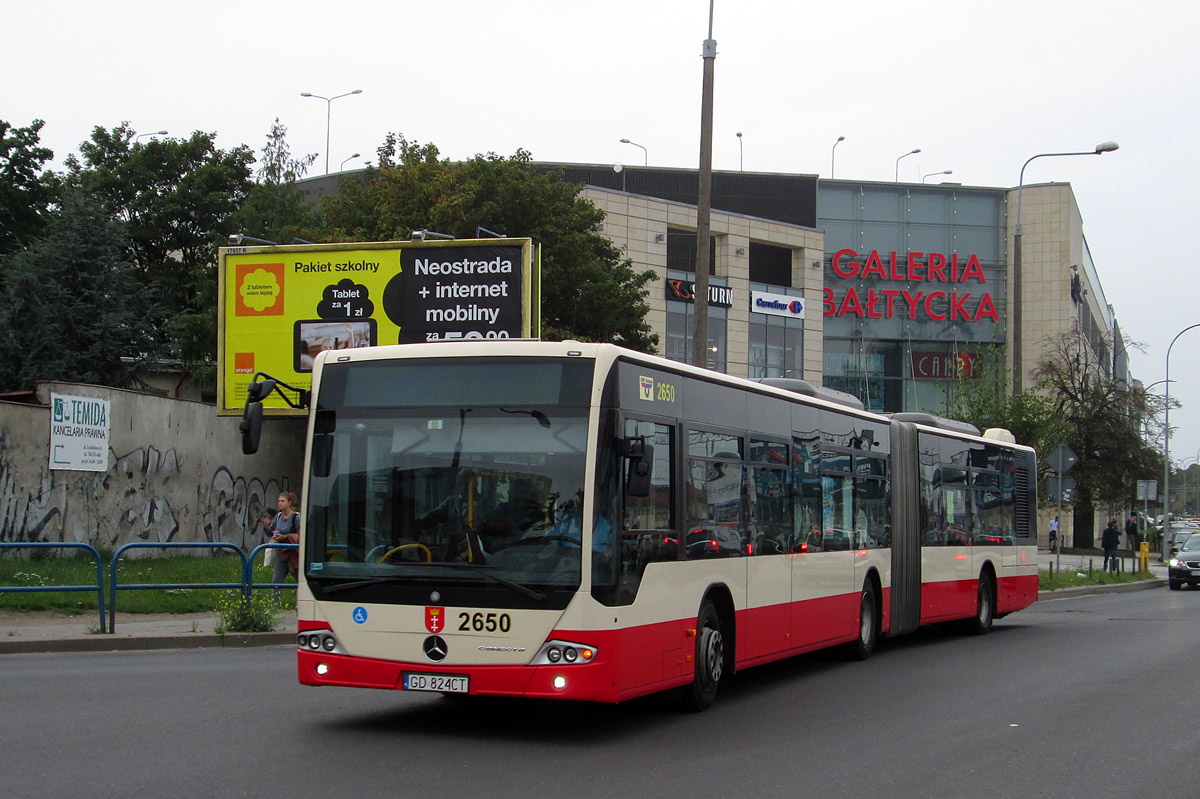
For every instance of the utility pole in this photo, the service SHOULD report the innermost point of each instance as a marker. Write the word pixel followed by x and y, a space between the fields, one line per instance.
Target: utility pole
pixel 704 201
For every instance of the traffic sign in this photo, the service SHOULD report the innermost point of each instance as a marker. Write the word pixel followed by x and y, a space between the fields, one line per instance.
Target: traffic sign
pixel 1062 459
pixel 1068 489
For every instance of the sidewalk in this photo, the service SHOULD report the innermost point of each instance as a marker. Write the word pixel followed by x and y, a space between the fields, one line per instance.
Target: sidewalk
pixel 41 631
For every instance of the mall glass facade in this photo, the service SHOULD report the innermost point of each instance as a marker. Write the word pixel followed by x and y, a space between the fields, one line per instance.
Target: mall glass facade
pixel 914 290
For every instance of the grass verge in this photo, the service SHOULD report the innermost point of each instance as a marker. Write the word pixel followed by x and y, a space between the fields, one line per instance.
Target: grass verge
pixel 79 569
pixel 1075 578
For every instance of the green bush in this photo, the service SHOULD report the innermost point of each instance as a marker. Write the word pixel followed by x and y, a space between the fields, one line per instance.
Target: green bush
pixel 241 615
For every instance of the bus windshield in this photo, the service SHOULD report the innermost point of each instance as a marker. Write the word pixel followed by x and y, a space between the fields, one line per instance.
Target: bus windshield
pixel 405 498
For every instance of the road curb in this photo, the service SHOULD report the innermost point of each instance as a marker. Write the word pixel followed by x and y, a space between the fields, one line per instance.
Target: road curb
pixel 104 643
pixel 1090 590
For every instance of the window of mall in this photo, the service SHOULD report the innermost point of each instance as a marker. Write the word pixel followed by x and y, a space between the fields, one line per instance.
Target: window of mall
pixel 681 314
pixel 776 334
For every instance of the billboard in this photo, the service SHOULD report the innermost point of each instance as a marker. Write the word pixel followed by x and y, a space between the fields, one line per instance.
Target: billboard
pixel 282 305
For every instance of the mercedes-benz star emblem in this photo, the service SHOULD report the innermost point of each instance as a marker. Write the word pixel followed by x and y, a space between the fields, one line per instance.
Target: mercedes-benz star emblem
pixel 435 648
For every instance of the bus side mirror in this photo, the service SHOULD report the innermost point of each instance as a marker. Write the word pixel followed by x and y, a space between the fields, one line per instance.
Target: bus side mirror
pixel 641 462
pixel 251 427
pixel 259 390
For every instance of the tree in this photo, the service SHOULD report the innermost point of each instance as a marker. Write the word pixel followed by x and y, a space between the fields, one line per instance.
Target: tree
pixel 25 195
pixel 176 196
pixel 275 209
pixel 588 291
pixel 72 307
pixel 1102 417
pixel 983 399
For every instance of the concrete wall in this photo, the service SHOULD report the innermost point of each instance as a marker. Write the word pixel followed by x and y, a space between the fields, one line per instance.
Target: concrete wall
pixel 176 472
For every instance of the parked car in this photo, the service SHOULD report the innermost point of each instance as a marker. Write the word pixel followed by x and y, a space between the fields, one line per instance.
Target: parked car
pixel 1184 567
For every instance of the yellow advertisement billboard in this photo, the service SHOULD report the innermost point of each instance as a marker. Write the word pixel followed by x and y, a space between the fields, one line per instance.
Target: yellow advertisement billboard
pixel 281 305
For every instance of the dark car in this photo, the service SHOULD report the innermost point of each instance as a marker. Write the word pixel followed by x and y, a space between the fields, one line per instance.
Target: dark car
pixel 1184 567
pixel 1179 535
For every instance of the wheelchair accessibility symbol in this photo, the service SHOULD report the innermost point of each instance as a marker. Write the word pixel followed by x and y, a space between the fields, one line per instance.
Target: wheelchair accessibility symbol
pixel 360 615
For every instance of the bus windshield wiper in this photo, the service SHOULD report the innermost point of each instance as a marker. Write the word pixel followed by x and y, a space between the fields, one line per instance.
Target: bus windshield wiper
pixel 333 589
pixel 532 593
pixel 524 590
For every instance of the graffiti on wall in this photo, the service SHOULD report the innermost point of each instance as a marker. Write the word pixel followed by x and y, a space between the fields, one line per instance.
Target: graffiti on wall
pixel 144 496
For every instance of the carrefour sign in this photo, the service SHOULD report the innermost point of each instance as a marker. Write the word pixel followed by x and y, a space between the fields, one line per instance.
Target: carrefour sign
pixel 777 304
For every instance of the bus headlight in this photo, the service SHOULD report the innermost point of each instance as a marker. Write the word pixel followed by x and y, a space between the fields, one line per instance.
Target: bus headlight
pixel 564 652
pixel 319 641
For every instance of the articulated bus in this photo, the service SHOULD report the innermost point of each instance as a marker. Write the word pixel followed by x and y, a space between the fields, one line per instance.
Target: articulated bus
pixel 580 521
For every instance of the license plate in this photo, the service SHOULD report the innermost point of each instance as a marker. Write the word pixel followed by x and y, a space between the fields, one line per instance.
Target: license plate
pixel 440 683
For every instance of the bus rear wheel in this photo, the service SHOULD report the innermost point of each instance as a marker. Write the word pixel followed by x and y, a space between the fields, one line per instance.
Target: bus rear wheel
pixel 710 660
pixel 868 624
pixel 985 606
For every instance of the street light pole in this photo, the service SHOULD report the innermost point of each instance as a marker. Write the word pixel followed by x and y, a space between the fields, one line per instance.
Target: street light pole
pixel 154 133
pixel 1018 303
pixel 741 161
pixel 943 172
pixel 342 168
pixel 833 155
pixel 328 116
pixel 1167 447
pixel 906 155
pixel 645 152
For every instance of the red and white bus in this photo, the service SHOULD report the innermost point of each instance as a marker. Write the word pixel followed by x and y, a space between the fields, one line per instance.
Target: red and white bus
pixel 581 521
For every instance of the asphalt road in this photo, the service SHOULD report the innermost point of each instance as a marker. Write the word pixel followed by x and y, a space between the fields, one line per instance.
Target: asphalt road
pixel 1071 698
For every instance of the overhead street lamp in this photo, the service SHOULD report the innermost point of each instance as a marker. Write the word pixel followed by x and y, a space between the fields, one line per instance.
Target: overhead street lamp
pixel 328 115
pixel 833 155
pixel 645 152
pixel 342 168
pixel 1018 362
pixel 931 174
pixel 155 133
pixel 1167 448
pixel 906 155
pixel 741 162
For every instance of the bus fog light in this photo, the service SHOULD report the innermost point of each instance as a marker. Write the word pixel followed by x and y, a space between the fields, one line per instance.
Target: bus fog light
pixel 554 655
pixel 328 643
pixel 322 669
pixel 314 642
pixel 571 654
pixel 560 682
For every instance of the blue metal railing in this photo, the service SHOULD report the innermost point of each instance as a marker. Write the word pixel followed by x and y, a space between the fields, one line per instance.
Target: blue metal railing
pixel 113 586
pixel 248 569
pixel 98 587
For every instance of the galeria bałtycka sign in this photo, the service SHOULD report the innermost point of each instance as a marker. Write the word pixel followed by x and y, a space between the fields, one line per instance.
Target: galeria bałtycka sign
pixel 281 306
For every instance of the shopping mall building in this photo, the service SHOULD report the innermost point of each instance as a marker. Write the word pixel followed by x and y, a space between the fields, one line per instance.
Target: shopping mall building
pixel 889 291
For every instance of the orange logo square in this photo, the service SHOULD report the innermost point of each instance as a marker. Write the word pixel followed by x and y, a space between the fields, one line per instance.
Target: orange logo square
pixel 243 363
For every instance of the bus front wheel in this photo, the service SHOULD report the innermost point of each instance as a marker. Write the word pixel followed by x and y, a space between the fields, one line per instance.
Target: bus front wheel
pixel 710 660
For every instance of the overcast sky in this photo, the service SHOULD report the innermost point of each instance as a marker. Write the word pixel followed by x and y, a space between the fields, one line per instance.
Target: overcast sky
pixel 978 87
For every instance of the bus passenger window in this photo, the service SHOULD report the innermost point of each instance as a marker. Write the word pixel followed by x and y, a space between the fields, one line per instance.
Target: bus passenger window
pixel 646 533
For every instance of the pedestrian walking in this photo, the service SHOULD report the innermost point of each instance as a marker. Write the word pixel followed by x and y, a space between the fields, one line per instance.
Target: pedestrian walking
pixel 1131 532
pixel 1054 532
pixel 1110 541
